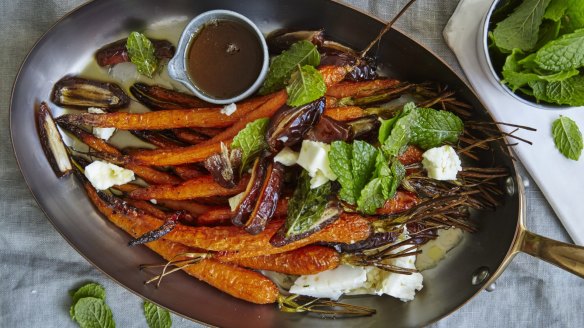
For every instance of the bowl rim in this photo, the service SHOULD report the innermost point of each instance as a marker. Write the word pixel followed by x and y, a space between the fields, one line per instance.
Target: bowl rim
pixel 177 69
pixel 494 74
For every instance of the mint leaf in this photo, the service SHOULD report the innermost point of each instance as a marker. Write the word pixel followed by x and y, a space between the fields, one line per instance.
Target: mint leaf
pixel 354 165
pixel 567 137
pixel 556 9
pixel 435 127
pixel 574 16
pixel 142 54
pixel 565 92
pixel 300 53
pixel 307 206
pixel 91 312
pixel 371 197
pixel 400 134
pixel 548 31
pixel 251 140
pixel 306 85
pixel 565 53
pixel 156 317
pixel 89 290
pixel 521 28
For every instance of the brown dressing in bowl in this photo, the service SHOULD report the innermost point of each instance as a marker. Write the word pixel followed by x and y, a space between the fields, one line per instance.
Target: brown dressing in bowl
pixel 224 59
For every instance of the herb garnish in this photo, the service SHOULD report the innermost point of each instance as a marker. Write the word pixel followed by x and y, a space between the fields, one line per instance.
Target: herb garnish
pixel 300 53
pixel 306 85
pixel 307 206
pixel 89 308
pixel 567 137
pixel 156 317
pixel 142 53
pixel 251 140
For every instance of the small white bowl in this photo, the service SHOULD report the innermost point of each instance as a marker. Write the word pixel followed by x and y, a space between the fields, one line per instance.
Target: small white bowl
pixel 177 69
pixel 490 70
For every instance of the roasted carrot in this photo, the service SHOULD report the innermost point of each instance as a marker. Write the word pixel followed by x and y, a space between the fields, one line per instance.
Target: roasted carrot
pixel 190 206
pixel 310 259
pixel 147 207
pixel 158 98
pixel 167 119
pixel 187 171
pixel 345 113
pixel 222 215
pixel 190 154
pixel 203 186
pixel 331 102
pixel 359 89
pixel 411 155
pixel 333 74
pixel 402 201
pixel 229 278
pixel 149 174
pixel 189 136
pixel 157 139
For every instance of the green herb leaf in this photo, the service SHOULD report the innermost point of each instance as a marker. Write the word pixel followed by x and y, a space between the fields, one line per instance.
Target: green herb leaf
pixel 354 165
pixel 141 53
pixel 300 53
pixel 371 197
pixel 91 312
pixel 156 317
pixel 567 137
pixel 306 85
pixel 521 28
pixel 89 290
pixel 573 17
pixel 565 92
pixel 435 127
pixel 383 186
pixel 556 9
pixel 307 206
pixel 565 53
pixel 400 134
pixel 251 140
pixel 548 31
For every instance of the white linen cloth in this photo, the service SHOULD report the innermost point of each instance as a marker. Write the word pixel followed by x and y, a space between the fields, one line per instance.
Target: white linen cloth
pixel 560 179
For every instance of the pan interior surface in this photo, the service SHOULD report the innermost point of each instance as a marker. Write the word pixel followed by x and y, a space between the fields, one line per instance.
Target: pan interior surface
pixel 70 45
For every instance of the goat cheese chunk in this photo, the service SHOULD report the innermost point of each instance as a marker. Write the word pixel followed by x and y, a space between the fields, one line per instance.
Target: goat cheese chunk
pixel 286 156
pixel 441 163
pixel 313 158
pixel 229 109
pixel 103 175
pixel 102 133
pixel 331 283
pixel 235 200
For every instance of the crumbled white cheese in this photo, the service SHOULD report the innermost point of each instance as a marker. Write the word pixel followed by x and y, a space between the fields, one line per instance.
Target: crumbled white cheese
pixel 154 201
pixel 286 156
pixel 102 133
pixel 235 200
pixel 313 158
pixel 441 163
pixel 363 280
pixel 229 109
pixel 103 175
pixel 435 250
pixel 331 283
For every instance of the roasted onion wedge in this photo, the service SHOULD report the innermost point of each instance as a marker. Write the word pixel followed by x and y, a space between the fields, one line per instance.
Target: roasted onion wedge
pixel 52 142
pixel 80 92
pixel 116 52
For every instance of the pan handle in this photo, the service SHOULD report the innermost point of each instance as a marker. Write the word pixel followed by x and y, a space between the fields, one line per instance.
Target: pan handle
pixel 566 256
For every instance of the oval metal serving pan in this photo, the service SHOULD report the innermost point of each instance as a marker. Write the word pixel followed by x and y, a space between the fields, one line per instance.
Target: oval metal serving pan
pixel 70 44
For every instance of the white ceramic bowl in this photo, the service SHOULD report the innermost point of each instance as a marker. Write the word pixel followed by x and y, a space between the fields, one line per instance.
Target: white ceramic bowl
pixel 177 69
pixel 492 72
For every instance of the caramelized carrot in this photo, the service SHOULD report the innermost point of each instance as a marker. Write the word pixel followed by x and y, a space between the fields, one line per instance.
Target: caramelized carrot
pixel 190 154
pixel 229 278
pixel 203 186
pixel 190 206
pixel 333 74
pixel 345 113
pixel 310 259
pixel 359 89
pixel 403 200
pixel 187 171
pixel 222 215
pixel 147 207
pixel 189 136
pixel 411 155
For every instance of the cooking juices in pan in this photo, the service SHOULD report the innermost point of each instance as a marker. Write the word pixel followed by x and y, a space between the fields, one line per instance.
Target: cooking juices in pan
pixel 224 59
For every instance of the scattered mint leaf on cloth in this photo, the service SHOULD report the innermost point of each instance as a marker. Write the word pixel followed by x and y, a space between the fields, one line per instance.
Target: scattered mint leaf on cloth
pixel 142 53
pixel 91 312
pixel 89 290
pixel 156 317
pixel 306 207
pixel 565 53
pixel 300 53
pixel 354 164
pixel 251 140
pixel 521 28
pixel 306 85
pixel 567 137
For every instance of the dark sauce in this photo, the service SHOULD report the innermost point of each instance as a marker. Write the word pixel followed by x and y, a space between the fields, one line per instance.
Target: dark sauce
pixel 224 59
